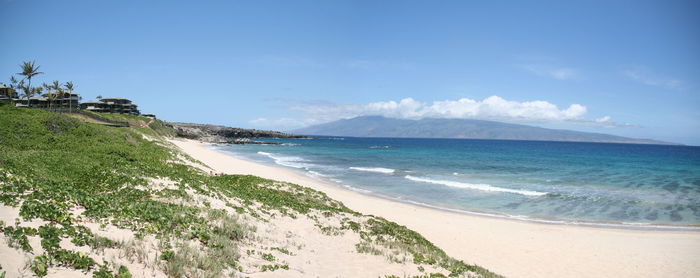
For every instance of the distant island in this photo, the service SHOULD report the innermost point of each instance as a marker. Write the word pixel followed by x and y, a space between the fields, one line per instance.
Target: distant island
pixel 378 126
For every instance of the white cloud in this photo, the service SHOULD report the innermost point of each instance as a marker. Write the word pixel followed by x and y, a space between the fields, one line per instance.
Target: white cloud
pixel 605 119
pixel 607 122
pixel 560 73
pixel 563 73
pixel 646 76
pixel 491 108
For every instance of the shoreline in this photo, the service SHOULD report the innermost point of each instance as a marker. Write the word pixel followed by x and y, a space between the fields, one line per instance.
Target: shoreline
pixel 512 248
pixel 477 213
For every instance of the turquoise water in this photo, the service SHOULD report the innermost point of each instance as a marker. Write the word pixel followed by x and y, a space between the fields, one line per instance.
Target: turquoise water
pixel 543 181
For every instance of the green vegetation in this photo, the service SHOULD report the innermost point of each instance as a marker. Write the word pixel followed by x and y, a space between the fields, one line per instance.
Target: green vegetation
pixel 51 164
pixel 282 250
pixel 17 236
pixel 61 171
pixel 70 87
pixel 268 257
pixel 273 267
pixel 106 272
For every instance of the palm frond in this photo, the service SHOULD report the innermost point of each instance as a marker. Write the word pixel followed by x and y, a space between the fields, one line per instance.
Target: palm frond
pixel 29 69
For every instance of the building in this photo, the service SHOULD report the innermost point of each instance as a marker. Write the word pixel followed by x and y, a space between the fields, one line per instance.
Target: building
pixel 111 105
pixel 7 93
pixel 33 102
pixel 56 100
pixel 66 100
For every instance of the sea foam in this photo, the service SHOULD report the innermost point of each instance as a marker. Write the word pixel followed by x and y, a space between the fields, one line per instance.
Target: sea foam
pixel 289 161
pixel 374 169
pixel 482 187
pixel 290 144
pixel 317 174
pixel 380 147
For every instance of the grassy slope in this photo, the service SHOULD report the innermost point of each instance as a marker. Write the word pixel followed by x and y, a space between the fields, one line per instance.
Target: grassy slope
pixel 52 165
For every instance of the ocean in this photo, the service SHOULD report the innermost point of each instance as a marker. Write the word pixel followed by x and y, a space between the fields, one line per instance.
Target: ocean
pixel 653 186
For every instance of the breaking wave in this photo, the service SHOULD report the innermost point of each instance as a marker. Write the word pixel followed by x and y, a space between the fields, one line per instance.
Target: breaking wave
pixel 482 187
pixel 374 170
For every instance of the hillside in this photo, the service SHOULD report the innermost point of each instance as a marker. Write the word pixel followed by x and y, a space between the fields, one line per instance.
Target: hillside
pixel 223 134
pixel 377 126
pixel 79 199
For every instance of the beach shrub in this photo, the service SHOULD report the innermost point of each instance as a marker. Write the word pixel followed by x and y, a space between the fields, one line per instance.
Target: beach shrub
pixel 273 267
pixel 52 166
pixel 17 236
pixel 105 271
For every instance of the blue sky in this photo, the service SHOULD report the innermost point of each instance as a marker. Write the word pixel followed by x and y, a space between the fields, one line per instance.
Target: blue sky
pixel 629 68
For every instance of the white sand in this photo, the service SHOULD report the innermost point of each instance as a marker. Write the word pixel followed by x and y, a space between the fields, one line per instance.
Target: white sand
pixel 509 247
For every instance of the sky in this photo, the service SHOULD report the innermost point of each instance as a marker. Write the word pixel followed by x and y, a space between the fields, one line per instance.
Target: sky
pixel 629 68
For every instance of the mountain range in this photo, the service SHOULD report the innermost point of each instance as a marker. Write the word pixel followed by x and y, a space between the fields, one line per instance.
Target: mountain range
pixel 378 126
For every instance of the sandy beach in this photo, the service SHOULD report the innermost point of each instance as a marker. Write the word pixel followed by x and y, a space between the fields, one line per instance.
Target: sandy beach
pixel 509 247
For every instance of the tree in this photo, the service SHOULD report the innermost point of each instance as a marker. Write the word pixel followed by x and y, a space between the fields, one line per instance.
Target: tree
pixel 69 86
pixel 37 90
pixel 29 70
pixel 29 91
pixel 48 89
pixel 15 84
pixel 57 91
pixel 19 86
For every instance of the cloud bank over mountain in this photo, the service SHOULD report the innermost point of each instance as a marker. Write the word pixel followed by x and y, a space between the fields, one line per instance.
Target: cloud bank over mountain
pixel 378 126
pixel 491 108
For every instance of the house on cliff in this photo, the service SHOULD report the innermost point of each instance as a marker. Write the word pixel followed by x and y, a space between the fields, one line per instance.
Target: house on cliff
pixel 54 100
pixel 111 105
pixel 7 93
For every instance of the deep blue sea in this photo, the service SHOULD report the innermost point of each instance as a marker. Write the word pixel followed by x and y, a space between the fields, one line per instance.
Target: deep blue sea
pixel 559 182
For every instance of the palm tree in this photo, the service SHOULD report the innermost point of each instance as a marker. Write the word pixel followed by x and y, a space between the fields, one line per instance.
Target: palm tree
pixel 48 89
pixel 29 91
pixel 58 90
pixel 29 70
pixel 69 86
pixel 15 84
pixel 37 90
